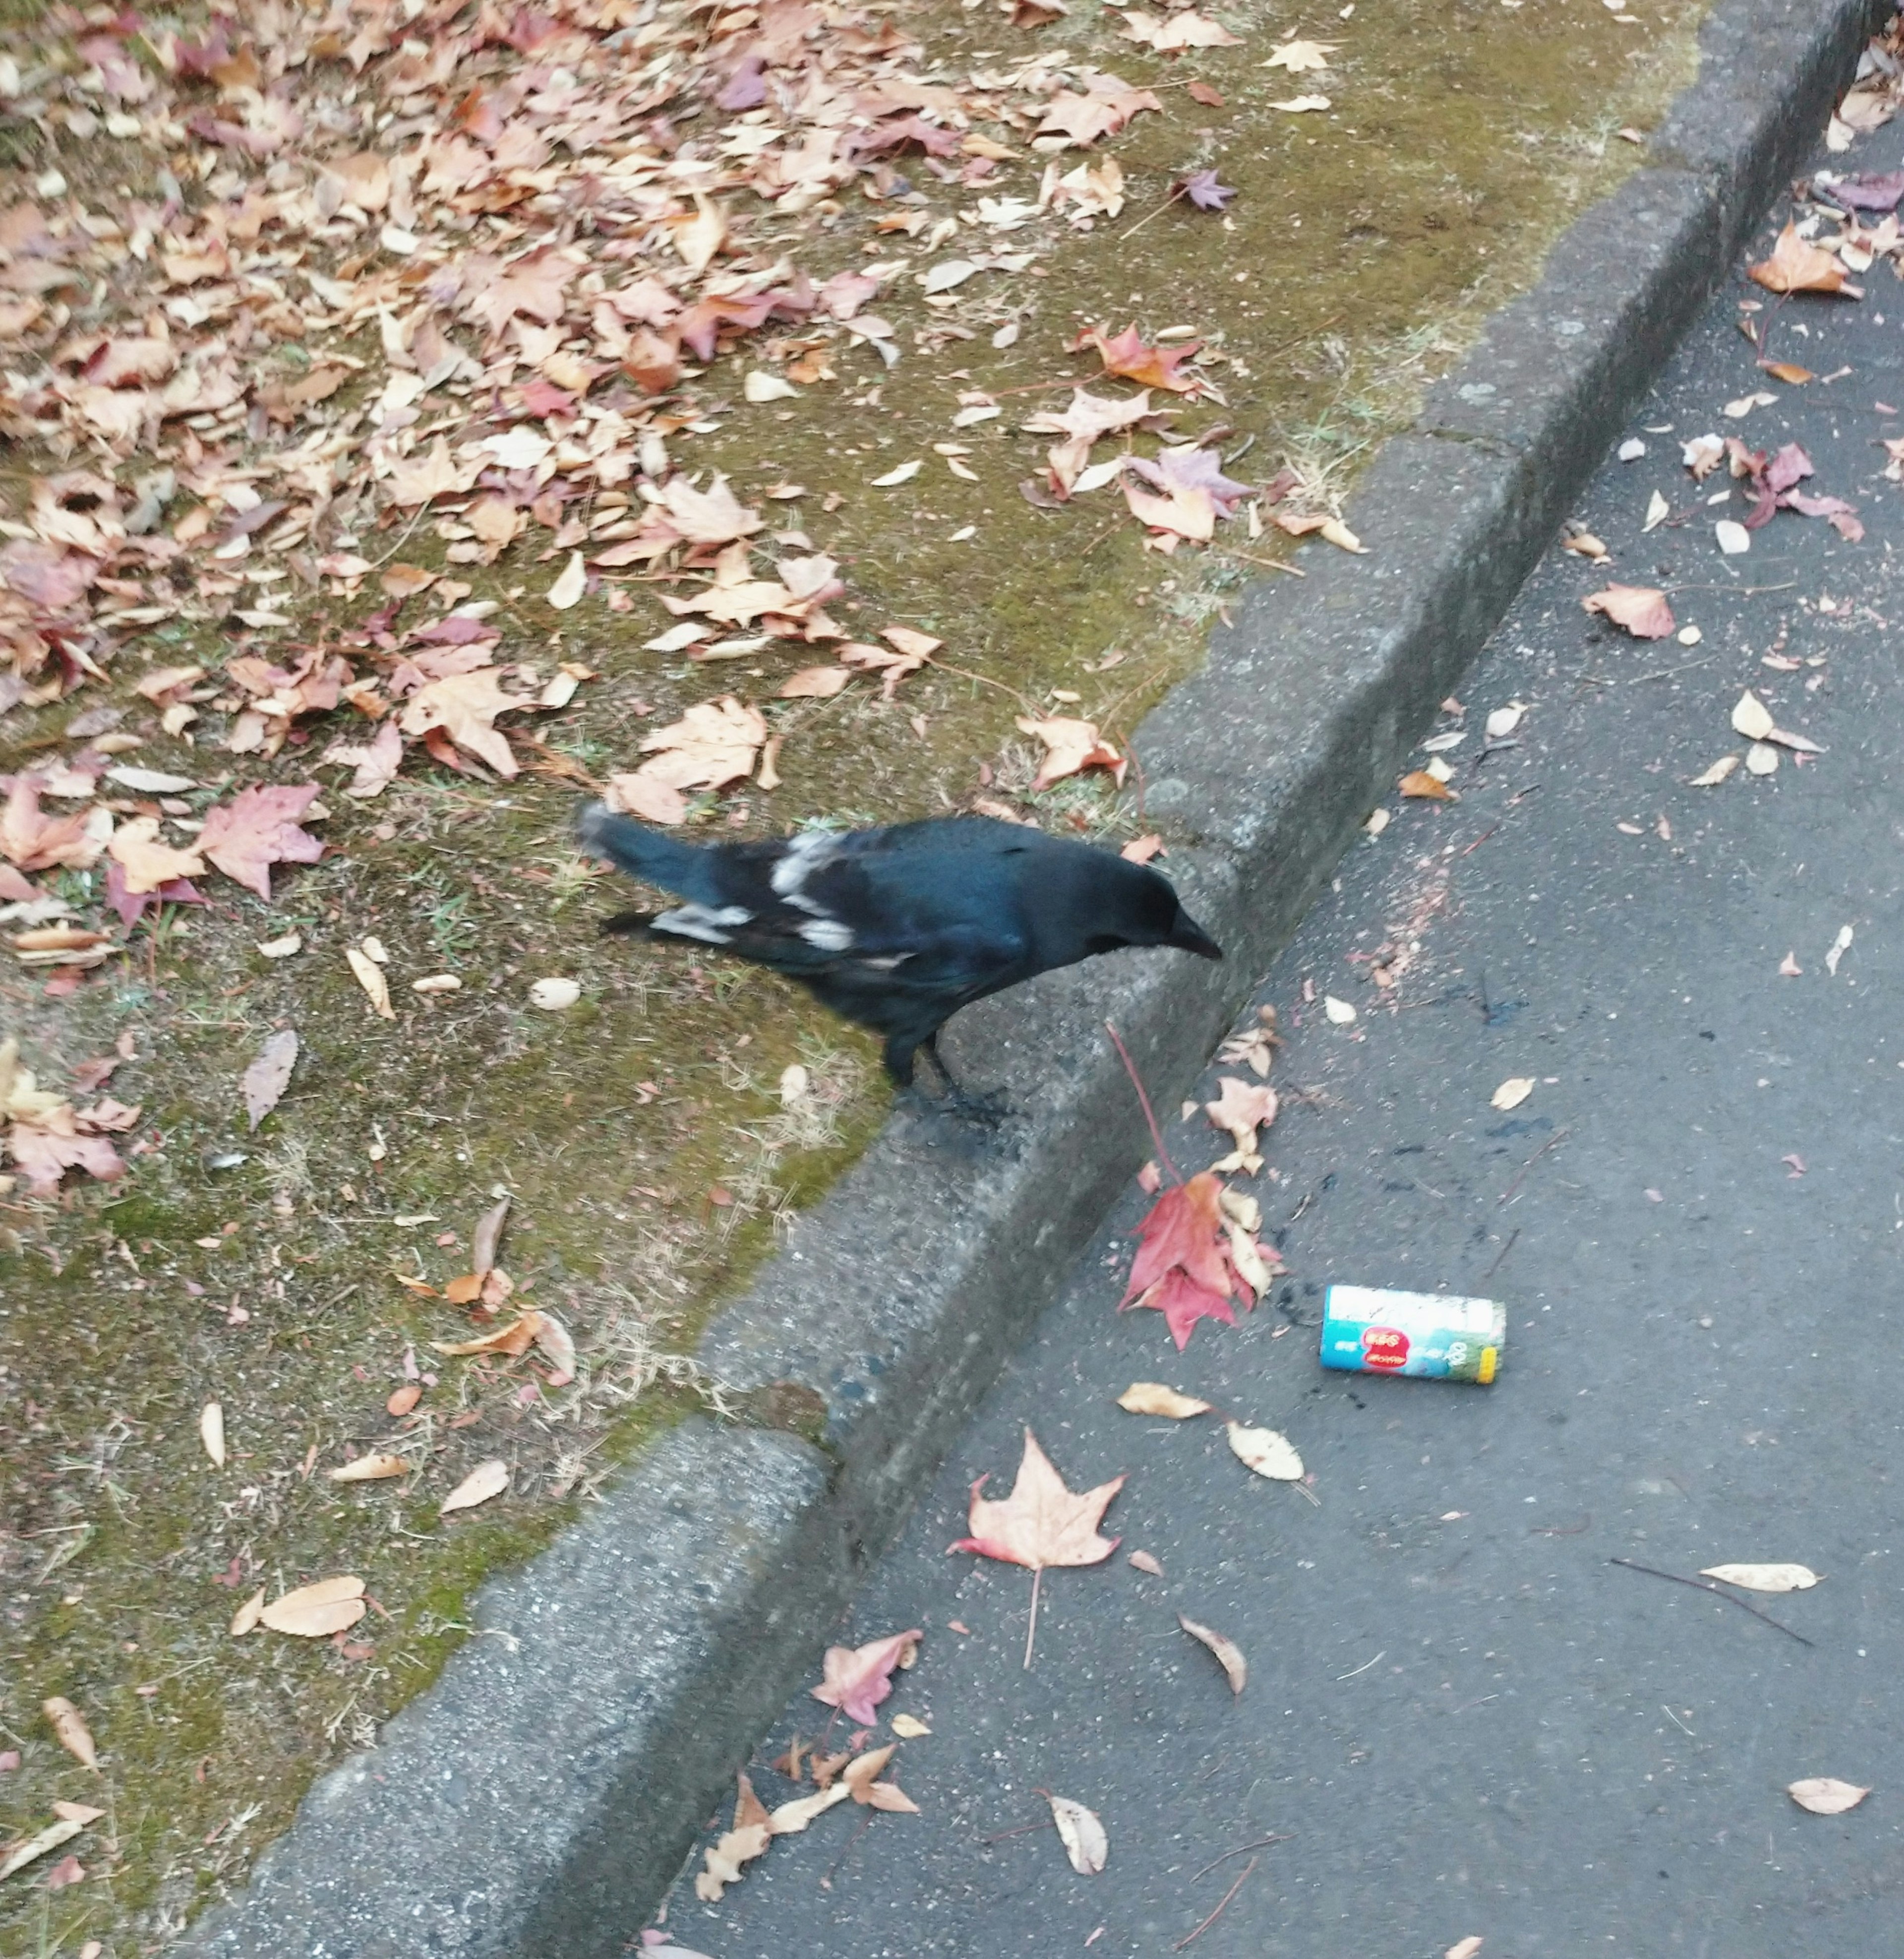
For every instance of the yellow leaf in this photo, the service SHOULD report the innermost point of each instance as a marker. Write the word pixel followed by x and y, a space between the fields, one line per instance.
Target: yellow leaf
pixel 370 1469
pixel 1265 1451
pixel 369 977
pixel 1512 1092
pixel 1153 1398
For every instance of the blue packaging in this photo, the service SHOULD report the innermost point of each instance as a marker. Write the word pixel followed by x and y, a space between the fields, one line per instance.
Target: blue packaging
pixel 1367 1330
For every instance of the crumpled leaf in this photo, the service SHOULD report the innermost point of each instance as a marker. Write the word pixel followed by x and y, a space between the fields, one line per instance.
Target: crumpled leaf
pixel 1070 745
pixel 1266 1452
pixel 1640 609
pixel 1229 1655
pixel 70 1730
pixel 1181 1268
pixel 1085 1841
pixel 268 1077
pixel 1826 1796
pixel 862 1779
pixel 1797 265
pixel 858 1678
pixel 258 828
pixel 713 744
pixel 465 706
pixel 1242 1108
pixel 1042 1523
pixel 36 842
pixel 1126 355
pixel 752 1831
pixel 376 761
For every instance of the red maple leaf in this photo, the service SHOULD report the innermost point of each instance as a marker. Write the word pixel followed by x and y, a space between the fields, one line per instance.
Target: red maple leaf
pixel 859 1678
pixel 1182 1267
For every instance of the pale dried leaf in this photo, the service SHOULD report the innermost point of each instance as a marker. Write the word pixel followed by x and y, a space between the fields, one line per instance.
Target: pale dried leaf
pixel 1512 1092
pixel 369 977
pixel 1229 1656
pixel 374 1467
pixel 247 1616
pixel 1826 1796
pixel 793 1817
pixel 1764 1577
pixel 1085 1842
pixel 1153 1398
pixel 909 1727
pixel 316 1611
pixel 211 1432
pixel 1751 718
pixel 268 1077
pixel 573 582
pixel 486 1480
pixel 1710 778
pixel 1266 1452
pixel 70 1729
pixel 1142 1561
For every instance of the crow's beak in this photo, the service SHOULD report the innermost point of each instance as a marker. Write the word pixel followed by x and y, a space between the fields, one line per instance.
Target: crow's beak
pixel 1188 936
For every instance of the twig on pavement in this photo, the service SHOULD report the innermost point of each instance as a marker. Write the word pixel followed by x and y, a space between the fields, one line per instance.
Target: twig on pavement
pixel 1222 1904
pixel 1717 1591
pixel 1262 1844
pixel 1559 1136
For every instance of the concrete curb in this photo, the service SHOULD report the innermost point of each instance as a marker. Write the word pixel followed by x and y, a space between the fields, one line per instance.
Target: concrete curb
pixel 537 1802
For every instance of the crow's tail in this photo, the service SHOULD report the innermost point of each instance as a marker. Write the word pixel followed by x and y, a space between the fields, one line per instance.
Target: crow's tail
pixel 644 853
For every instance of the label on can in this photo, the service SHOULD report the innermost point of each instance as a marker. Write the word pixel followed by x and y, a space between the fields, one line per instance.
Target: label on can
pixel 1366 1330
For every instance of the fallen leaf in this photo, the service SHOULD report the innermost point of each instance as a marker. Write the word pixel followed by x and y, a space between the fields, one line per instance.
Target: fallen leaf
pixel 465 706
pixel 861 1778
pixel 569 587
pixel 1041 1524
pixel 70 1730
pixel 713 744
pixel 1126 355
pixel 515 1339
pixel 1789 968
pixel 1796 265
pixel 793 1817
pixel 1761 759
pixel 858 1678
pixel 1153 1398
pixel 1229 1656
pixel 894 477
pixel 909 1726
pixel 1640 609
pixel 1764 1577
pixel 726 1858
pixel 1839 947
pixel 1302 57
pixel 369 977
pixel 1203 190
pixel 815 684
pixel 1463 1948
pixel 1172 33
pixel 1751 718
pixel 258 828
pixel 1512 1092
pixel 1143 1561
pixel 1824 1795
pixel 373 1467
pixel 1181 1268
pixel 1265 1451
pixel 1711 777
pixel 1419 783
pixel 1504 720
pixel 554 995
pixel 1788 372
pixel 30 1848
pixel 1302 104
pixel 1337 1013
pixel 1084 1840
pixel 1070 746
pixel 316 1611
pixel 211 1432
pixel 268 1077
pixel 486 1480
pixel 1657 511
pixel 150 866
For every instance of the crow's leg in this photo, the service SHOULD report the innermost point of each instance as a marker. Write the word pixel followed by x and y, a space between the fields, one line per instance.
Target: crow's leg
pixel 990 1110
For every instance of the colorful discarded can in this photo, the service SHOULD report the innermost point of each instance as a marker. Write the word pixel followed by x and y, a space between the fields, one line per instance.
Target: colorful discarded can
pixel 1366 1330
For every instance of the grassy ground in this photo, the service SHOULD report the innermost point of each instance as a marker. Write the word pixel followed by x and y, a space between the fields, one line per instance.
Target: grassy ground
pixel 642 1133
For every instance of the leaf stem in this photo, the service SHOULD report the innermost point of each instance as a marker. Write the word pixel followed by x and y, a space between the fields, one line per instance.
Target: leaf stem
pixel 1130 1068
pixel 1031 1631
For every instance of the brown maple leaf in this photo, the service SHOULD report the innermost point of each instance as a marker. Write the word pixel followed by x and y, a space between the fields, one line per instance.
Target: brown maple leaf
pixel 1070 745
pixel 1796 265
pixel 1041 1523
pixel 713 744
pixel 1640 609
pixel 858 1678
pixel 1102 111
pixel 257 829
pixel 1182 1268
pixel 147 863
pixel 1126 355
pixel 36 842
pixel 465 706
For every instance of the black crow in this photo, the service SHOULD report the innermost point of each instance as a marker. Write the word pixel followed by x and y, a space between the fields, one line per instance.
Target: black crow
pixel 899 927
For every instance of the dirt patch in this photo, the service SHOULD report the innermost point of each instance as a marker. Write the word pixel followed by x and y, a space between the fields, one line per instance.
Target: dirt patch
pixel 645 1134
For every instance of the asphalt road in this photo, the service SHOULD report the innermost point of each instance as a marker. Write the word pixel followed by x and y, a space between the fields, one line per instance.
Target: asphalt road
pixel 1462 1719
